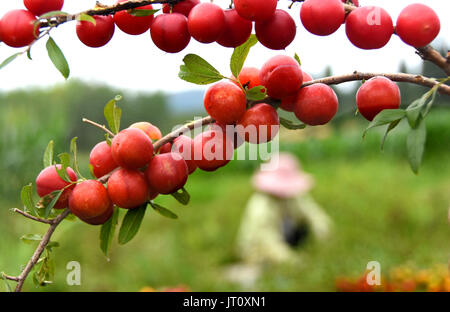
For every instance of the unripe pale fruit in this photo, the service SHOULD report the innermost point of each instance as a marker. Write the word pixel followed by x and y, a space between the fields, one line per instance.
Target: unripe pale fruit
pixel 184 7
pixel 255 10
pixel 170 33
pixel 225 102
pixel 206 22
pixel 237 30
pixel 316 104
pixel 39 7
pixel 377 94
pixel 90 202
pixel 260 124
pixel 167 173
pixel 128 188
pixel 288 103
pixel 133 25
pixel 101 160
pixel 97 35
pixel 132 148
pixel 322 17
pixel 277 32
pixel 212 150
pixel 49 181
pixel 17 28
pixel 369 27
pixel 152 131
pixel 282 76
pixel 184 146
pixel 418 25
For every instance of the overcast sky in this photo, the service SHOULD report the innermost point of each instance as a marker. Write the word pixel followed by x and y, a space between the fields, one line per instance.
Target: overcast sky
pixel 133 62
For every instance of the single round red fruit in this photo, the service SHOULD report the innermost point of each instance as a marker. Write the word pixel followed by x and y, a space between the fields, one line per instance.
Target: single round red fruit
pixel 39 7
pixel 288 103
pixel 316 104
pixel 212 150
pixel 97 35
pixel 184 7
pixel 282 76
pixel 237 30
pixel 128 188
pixel 152 131
pixel 255 10
pixel 206 22
pixel 230 131
pixel 184 146
pixel 418 25
pixel 49 181
pixel 101 160
pixel 322 17
pixel 369 27
pixel 277 32
pixel 377 94
pixel 132 148
pixel 260 124
pixel 17 28
pixel 167 173
pixel 249 77
pixel 170 33
pixel 133 25
pixel 225 102
pixel 90 202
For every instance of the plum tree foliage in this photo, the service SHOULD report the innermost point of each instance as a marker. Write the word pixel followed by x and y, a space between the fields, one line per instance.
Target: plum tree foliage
pixel 134 166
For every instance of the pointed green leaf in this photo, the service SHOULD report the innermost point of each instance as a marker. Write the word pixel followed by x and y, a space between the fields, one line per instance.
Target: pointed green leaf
pixel 54 196
pixel 57 57
pixel 31 238
pixel 87 18
pixel 48 155
pixel 258 93
pixel 297 58
pixel 182 196
pixel 385 117
pixel 413 111
pixel 113 114
pixel 240 55
pixel 26 195
pixel 107 232
pixel 197 70
pixel 9 59
pixel 416 145
pixel 65 163
pixel 391 127
pixel 74 152
pixel 53 14
pixel 142 12
pixel 163 211
pixel 290 125
pixel 131 224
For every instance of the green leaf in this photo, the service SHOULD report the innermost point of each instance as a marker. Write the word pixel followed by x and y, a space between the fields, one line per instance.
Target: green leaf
pixel 256 93
pixel 142 12
pixel 385 117
pixel 26 195
pixel 182 196
pixel 52 14
pixel 113 114
pixel 87 18
pixel 197 70
pixel 413 111
pixel 290 125
pixel 107 232
pixel 163 211
pixel 74 152
pixel 57 57
pixel 51 245
pixel 9 59
pixel 55 196
pixel 48 155
pixel 416 145
pixel 131 224
pixel 31 238
pixel 65 163
pixel 391 127
pixel 297 58
pixel 240 55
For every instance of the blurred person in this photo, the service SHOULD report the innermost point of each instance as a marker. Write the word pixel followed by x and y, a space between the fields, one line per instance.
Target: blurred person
pixel 281 214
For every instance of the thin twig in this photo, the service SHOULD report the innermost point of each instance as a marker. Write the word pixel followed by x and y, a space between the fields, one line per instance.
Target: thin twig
pixel 9 277
pixel 429 54
pixel 102 127
pixel 27 215
pixel 41 247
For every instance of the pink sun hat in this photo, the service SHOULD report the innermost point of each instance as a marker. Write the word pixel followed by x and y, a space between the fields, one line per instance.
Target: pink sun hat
pixel 282 177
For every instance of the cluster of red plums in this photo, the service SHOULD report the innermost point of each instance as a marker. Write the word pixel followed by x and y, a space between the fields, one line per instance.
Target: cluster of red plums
pixel 367 27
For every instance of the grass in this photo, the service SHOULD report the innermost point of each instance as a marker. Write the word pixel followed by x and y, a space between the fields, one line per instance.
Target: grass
pixel 381 211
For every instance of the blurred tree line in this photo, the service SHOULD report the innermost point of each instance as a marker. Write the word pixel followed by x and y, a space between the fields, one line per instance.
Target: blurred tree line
pixel 30 118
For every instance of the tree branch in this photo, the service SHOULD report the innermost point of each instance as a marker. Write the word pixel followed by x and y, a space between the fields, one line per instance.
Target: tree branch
pixel 40 248
pixel 429 54
pixel 102 127
pixel 27 215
